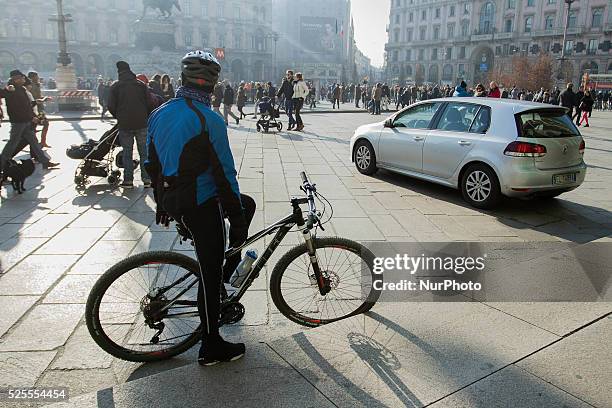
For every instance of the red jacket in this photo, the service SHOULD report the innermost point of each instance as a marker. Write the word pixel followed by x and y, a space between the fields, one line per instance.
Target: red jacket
pixel 495 93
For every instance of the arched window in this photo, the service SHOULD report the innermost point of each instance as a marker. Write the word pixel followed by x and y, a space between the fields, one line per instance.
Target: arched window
pixel 487 17
pixel 549 23
pixel 528 24
pixel 597 18
pixel 447 72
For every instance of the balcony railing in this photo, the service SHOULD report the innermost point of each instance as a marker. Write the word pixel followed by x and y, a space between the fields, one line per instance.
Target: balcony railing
pixel 504 36
pixel 482 37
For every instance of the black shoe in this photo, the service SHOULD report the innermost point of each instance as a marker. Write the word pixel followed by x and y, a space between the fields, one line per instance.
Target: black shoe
pixel 50 165
pixel 215 350
pixel 237 121
pixel 587 125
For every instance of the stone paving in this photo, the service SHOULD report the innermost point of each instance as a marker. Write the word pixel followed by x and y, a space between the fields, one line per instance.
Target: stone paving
pixel 55 242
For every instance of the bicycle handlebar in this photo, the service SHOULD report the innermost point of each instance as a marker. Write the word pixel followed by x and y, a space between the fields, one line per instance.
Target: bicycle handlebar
pixel 309 189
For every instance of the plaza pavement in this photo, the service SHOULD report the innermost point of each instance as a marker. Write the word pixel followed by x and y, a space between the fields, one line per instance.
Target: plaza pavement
pixel 54 243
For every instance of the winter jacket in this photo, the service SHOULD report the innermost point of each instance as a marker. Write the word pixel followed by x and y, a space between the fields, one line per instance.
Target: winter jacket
pixel 228 95
pixel 285 89
pixel 127 102
pixel 566 98
pixel 578 98
pixel 586 104
pixel 377 93
pixel 18 105
pixel 169 92
pixel 495 93
pixel 217 96
pixel 197 158
pixel 300 89
pixel 460 92
pixel 241 100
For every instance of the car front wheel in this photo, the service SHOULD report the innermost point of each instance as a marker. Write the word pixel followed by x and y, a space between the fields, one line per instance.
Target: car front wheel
pixel 480 187
pixel 365 158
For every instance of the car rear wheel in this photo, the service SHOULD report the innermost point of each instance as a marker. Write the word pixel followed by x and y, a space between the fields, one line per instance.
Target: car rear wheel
pixel 365 158
pixel 480 187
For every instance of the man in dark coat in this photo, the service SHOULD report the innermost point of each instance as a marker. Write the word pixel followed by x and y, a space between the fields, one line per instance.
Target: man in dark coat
pixel 21 115
pixel 567 99
pixel 577 99
pixel 127 102
pixel 228 101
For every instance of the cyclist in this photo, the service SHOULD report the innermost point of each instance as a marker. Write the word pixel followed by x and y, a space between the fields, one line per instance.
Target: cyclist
pixel 194 180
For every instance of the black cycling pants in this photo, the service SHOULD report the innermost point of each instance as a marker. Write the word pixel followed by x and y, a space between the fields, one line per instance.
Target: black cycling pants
pixel 207 227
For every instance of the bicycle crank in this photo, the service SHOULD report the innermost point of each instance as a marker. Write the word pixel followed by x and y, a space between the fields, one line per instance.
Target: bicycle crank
pixel 231 313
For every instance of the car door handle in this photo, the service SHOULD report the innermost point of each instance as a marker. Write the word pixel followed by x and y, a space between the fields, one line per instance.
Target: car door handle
pixel 418 138
pixel 464 143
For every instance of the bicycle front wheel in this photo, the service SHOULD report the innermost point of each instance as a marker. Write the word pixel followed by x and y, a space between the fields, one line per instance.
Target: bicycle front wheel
pixel 348 268
pixel 144 308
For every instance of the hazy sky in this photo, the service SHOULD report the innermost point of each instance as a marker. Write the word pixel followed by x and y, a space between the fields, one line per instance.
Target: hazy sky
pixel 370 18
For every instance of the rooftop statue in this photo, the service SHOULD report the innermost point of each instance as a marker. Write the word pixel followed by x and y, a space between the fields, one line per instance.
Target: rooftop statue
pixel 164 7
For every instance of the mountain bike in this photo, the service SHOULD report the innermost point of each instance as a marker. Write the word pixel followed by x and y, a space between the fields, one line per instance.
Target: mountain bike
pixel 144 308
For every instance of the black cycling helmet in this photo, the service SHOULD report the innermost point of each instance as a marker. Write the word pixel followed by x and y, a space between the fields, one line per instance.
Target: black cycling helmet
pixel 200 68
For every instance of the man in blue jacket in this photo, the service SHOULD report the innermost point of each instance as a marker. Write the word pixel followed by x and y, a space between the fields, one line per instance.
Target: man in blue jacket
pixel 194 177
pixel 461 90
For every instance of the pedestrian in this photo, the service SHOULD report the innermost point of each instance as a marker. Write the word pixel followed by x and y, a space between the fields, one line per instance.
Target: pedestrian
pixel 228 101
pixel 461 90
pixel 217 97
pixel 357 95
pixel 271 92
pixel 336 96
pixel 494 91
pixel 286 90
pixel 376 98
pixel 312 94
pixel 300 91
pixel 586 106
pixel 40 105
pixel 127 102
pixel 566 99
pixel 480 91
pixel 577 99
pixel 166 87
pixel 241 99
pixel 155 85
pixel 21 116
pixel 102 97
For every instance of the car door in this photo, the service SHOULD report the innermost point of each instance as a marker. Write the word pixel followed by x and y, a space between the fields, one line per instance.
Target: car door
pixel 401 144
pixel 459 128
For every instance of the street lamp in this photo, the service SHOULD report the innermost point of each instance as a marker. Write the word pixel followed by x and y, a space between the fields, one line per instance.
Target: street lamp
pixel 562 58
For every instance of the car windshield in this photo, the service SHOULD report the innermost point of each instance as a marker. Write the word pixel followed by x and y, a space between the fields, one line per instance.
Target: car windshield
pixel 548 123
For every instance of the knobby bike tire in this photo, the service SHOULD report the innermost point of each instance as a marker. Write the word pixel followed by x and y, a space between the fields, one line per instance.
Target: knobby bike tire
pixel 332 242
pixel 92 310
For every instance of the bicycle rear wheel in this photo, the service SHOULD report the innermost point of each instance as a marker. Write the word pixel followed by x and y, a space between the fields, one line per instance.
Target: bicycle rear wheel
pixel 144 308
pixel 345 264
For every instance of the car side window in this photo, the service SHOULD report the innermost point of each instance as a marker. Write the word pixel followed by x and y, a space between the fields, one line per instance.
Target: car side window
pixel 457 117
pixel 482 121
pixel 418 117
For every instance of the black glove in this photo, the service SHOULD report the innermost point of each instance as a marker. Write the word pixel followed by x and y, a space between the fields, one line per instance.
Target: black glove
pixel 239 231
pixel 163 218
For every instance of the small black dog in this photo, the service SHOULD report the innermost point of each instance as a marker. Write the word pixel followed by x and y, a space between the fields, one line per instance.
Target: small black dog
pixel 18 172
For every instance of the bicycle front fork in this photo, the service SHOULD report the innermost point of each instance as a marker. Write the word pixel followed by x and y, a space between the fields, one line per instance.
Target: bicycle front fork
pixel 322 282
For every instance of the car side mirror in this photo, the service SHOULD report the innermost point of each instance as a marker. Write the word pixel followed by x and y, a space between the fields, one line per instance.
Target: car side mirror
pixel 389 123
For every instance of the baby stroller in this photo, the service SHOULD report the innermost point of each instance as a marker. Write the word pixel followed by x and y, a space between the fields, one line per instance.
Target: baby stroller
pixel 269 113
pixel 97 159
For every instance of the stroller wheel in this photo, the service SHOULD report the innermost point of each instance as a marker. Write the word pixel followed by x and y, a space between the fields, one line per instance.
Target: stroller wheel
pixel 116 173
pixel 280 126
pixel 80 181
pixel 112 179
pixel 258 127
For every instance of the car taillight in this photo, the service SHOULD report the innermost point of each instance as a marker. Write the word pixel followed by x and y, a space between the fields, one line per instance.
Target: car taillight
pixel 582 146
pixel 524 149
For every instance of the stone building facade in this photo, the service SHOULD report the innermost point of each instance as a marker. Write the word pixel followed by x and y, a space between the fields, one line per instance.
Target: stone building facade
pixel 443 40
pixel 105 31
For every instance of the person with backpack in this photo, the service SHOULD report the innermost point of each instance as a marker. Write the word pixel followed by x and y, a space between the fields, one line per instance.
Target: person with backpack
pixel 128 103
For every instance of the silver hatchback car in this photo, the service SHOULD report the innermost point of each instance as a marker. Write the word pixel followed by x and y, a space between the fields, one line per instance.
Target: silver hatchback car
pixel 485 147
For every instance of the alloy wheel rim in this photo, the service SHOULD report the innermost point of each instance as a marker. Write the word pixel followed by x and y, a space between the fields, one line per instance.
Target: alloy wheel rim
pixel 363 157
pixel 478 186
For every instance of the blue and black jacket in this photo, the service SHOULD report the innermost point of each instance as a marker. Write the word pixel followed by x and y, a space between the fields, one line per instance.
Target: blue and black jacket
pixel 189 151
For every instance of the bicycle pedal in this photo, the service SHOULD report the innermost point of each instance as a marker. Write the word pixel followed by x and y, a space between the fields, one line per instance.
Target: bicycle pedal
pixel 231 313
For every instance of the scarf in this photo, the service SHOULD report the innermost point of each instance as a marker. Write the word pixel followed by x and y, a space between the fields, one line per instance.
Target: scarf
pixel 195 94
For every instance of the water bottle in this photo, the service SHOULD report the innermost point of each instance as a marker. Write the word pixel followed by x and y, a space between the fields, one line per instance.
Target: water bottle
pixel 243 268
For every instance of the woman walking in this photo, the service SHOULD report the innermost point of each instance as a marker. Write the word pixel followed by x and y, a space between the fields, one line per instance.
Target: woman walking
pixel 166 87
pixel 241 100
pixel 586 106
pixel 300 90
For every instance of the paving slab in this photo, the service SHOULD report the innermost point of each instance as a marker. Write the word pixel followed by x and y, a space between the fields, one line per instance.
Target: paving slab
pixel 35 274
pixel 48 226
pixel 580 364
pixel 23 369
pixel 71 241
pixel 44 328
pixel 101 256
pixel 14 250
pixel 13 307
pixel 71 289
pixel 511 387
pixel 261 378
pixel 409 354
pixel 81 352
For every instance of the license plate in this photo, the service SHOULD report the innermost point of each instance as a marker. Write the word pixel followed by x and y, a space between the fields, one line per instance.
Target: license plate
pixel 567 178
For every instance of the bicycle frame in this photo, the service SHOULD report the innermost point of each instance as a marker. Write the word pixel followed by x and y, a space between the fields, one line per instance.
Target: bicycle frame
pixel 281 227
